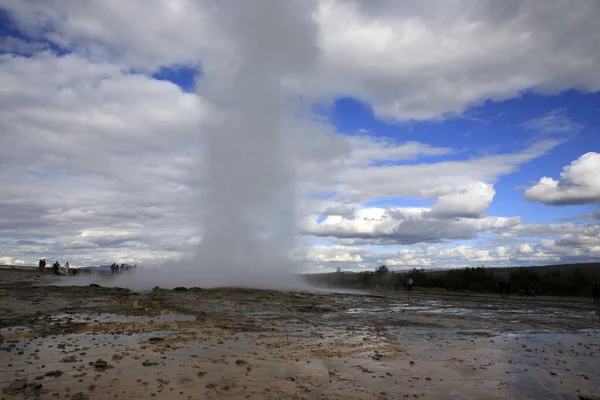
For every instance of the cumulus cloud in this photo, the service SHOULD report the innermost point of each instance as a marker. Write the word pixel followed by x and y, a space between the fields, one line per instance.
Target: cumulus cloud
pixel 579 183
pixel 469 202
pixel 424 61
pixel 88 146
pixel 401 226
pixel 172 32
pixel 422 180
pixel 431 256
pixel 330 254
pixel 407 62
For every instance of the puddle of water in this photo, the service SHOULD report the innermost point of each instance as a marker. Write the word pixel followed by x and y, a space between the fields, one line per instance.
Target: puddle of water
pixel 102 318
pixel 480 310
pixel 14 330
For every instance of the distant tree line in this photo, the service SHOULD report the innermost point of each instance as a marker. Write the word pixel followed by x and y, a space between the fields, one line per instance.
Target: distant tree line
pixel 572 282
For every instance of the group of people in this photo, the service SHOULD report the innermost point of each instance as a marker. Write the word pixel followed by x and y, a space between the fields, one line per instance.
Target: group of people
pixel 407 285
pixel 66 269
pixel 504 287
pixel 115 268
pixel 57 269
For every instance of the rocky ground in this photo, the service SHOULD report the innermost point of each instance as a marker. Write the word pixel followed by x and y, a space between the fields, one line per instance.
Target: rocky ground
pixel 95 342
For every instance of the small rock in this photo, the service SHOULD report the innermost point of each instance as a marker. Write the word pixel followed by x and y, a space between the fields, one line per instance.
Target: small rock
pixel 240 362
pixel 290 378
pixel 55 374
pixel 94 285
pixel 80 396
pixel 17 386
pixel 69 359
pixel 201 374
pixel 155 339
pixel 148 363
pixel 180 289
pixel 100 363
pixel 117 357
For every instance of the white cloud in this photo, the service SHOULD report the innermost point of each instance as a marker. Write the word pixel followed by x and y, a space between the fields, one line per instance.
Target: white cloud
pixel 579 183
pixel 443 256
pixel 470 202
pixel 426 180
pixel 368 149
pixel 330 254
pixel 424 61
pixel 172 32
pixel 525 249
pixel 555 122
pixel 407 61
pixel 11 261
pixel 88 146
pixel 393 226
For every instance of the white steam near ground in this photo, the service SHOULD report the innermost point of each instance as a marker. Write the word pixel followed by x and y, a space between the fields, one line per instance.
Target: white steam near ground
pixel 246 215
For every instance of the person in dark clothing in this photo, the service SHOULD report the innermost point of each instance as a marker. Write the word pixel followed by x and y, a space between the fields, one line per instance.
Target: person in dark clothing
pixel 42 265
pixel 55 267
pixel 596 292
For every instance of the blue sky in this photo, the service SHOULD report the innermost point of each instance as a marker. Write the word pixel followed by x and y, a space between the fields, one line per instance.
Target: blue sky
pixel 428 135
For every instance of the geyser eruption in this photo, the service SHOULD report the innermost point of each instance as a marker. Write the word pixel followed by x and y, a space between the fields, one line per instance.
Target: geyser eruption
pixel 246 211
pixel 247 215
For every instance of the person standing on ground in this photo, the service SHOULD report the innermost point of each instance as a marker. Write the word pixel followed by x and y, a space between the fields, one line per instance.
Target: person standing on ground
pixel 56 267
pixel 409 284
pixel 42 265
pixel 596 292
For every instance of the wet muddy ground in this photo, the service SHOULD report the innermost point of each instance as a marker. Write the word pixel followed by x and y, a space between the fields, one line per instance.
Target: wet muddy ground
pixel 82 342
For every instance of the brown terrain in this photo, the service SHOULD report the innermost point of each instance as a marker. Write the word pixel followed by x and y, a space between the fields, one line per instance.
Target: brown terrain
pixel 97 342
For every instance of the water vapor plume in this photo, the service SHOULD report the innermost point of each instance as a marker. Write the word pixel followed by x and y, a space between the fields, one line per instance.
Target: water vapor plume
pixel 247 168
pixel 247 213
